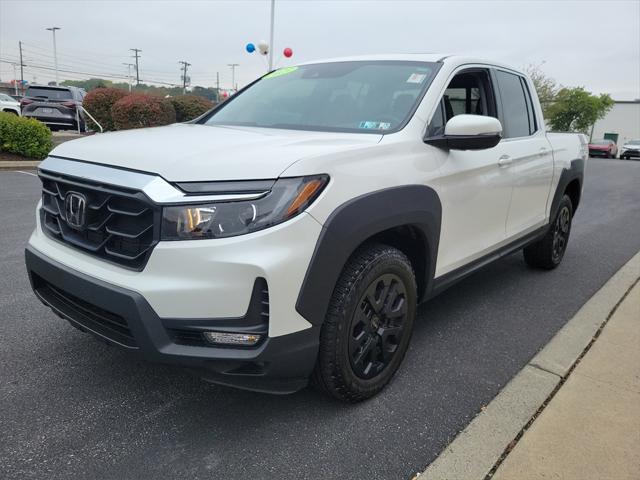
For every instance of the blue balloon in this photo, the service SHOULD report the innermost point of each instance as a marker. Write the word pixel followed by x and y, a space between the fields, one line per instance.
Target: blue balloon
pixel 250 47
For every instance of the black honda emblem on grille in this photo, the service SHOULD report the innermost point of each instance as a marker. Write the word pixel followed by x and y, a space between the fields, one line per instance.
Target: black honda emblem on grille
pixel 75 205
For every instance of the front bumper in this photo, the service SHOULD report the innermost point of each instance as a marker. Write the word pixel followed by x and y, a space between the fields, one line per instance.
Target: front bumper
pixel 123 317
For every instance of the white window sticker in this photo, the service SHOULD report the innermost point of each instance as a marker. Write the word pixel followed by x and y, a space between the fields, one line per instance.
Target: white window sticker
pixel 369 125
pixel 416 78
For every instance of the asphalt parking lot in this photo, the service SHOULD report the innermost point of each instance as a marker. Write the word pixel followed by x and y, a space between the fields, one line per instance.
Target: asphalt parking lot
pixel 71 407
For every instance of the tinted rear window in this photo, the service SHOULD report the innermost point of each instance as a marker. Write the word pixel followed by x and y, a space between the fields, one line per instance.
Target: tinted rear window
pixel 514 105
pixel 49 93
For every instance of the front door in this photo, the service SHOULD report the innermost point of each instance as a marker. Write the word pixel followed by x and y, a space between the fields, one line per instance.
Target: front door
pixel 473 188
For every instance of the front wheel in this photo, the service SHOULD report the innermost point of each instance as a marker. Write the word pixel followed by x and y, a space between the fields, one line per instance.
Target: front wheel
pixel 368 325
pixel 548 252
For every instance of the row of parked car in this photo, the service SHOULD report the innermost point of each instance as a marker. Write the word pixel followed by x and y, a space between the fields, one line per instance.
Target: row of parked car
pixel 607 148
pixel 57 107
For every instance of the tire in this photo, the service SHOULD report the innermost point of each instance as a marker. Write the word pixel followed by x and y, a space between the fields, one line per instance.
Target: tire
pixel 547 253
pixel 368 325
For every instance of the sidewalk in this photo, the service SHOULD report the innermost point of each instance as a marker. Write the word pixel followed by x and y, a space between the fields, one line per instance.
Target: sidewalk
pixel 19 164
pixel 591 428
pixel 571 413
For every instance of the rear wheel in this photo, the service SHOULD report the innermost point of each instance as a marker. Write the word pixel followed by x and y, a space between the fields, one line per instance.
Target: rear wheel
pixel 368 325
pixel 548 252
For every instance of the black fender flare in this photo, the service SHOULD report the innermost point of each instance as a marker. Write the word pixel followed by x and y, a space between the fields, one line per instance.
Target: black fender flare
pixel 356 221
pixel 568 175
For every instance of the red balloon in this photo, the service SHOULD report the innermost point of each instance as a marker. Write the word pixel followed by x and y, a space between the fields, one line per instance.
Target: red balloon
pixel 288 52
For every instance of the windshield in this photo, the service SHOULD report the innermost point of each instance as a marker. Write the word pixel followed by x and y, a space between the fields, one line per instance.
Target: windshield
pixel 601 142
pixel 49 93
pixel 634 142
pixel 363 96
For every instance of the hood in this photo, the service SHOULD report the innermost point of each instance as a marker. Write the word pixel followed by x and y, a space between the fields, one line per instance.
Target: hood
pixel 189 152
pixel 631 146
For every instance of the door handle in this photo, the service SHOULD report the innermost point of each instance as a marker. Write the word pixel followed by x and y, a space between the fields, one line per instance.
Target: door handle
pixel 505 161
pixel 543 151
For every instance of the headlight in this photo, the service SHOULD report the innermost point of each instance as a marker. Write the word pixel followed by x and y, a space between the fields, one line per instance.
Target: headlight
pixel 287 198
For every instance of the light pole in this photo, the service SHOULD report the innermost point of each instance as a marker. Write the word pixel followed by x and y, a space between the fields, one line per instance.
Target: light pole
pixel 233 75
pixel 273 8
pixel 55 50
pixel 15 80
pixel 129 65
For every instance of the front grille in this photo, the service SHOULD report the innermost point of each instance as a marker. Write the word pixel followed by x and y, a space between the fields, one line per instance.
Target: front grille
pixel 121 225
pixel 101 321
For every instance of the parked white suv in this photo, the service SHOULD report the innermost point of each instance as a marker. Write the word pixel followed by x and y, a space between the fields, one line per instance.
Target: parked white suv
pixel 9 104
pixel 290 233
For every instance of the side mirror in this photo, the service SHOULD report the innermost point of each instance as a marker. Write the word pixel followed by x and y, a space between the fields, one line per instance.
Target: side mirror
pixel 469 132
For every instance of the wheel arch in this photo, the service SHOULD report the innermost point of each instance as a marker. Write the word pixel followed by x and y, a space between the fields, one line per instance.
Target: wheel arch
pixel 407 218
pixel 571 182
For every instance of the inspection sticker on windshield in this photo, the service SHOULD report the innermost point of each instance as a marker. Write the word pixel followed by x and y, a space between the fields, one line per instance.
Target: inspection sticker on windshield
pixel 375 125
pixel 416 78
pixel 282 71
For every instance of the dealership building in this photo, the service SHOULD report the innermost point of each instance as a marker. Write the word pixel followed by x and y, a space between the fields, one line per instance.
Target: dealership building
pixel 620 124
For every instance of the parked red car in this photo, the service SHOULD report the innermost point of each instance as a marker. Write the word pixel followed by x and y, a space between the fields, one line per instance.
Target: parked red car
pixel 603 148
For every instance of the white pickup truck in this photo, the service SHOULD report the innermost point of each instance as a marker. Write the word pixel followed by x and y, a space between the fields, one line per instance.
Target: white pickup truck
pixel 289 234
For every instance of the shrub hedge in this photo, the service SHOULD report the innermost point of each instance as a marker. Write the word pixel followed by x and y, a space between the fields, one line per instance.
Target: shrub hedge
pixel 99 102
pixel 189 107
pixel 139 111
pixel 24 136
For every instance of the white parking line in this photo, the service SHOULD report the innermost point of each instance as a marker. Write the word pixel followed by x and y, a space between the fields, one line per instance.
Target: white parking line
pixel 20 171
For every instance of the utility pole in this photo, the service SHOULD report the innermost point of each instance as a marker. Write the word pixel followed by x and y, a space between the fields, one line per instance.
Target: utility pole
pixel 233 75
pixel 55 50
pixel 129 65
pixel 185 65
pixel 136 56
pixel 217 87
pixel 273 9
pixel 21 68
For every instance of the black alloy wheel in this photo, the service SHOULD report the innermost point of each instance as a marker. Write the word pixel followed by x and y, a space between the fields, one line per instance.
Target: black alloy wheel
pixel 561 229
pixel 377 325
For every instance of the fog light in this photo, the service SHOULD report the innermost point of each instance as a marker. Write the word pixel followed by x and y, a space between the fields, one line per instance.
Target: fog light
pixel 221 338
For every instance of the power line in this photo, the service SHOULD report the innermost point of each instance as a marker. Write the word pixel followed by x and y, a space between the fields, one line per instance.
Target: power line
pixel 91 74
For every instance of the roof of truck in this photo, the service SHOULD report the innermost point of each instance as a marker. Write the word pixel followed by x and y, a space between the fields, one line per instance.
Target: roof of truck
pixel 419 57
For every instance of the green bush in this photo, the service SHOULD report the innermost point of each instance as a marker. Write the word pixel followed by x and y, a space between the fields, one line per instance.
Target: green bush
pixel 189 107
pixel 139 111
pixel 98 103
pixel 24 136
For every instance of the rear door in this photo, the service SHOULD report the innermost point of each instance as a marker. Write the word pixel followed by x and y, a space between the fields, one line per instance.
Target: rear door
pixel 526 154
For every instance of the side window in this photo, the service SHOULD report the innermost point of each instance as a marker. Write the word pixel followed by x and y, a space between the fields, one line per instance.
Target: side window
pixel 436 125
pixel 468 93
pixel 514 105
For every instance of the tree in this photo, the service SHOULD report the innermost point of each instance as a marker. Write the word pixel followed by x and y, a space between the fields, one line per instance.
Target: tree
pixel 576 110
pixel 546 87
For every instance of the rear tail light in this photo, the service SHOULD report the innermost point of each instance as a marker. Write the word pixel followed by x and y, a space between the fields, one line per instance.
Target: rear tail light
pixel 25 101
pixel 69 104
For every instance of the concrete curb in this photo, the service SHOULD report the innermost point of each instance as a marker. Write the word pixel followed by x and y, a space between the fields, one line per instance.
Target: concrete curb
pixel 474 452
pixel 19 164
